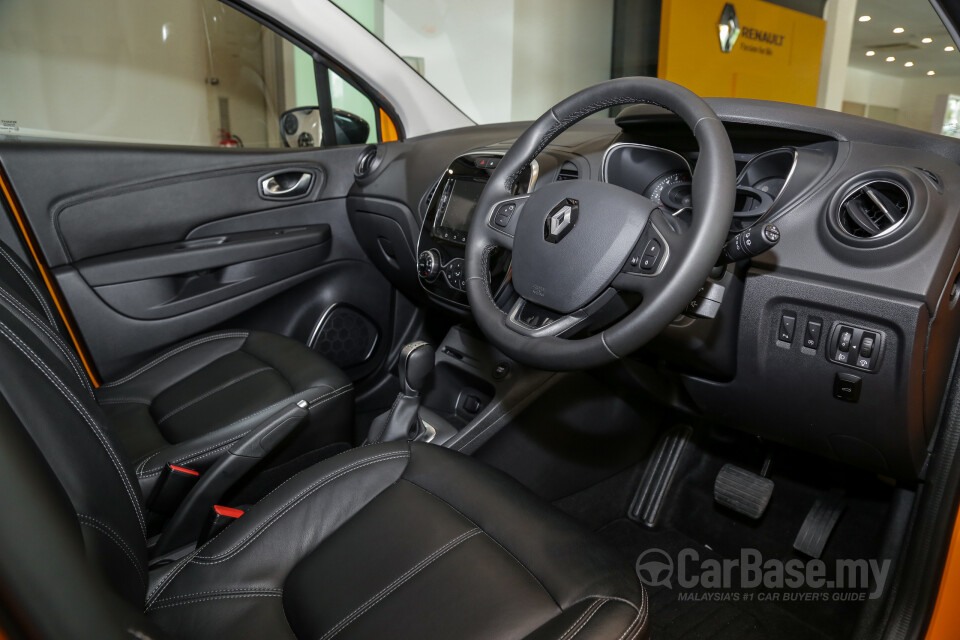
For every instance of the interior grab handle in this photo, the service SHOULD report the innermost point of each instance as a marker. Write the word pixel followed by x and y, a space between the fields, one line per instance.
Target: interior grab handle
pixel 289 184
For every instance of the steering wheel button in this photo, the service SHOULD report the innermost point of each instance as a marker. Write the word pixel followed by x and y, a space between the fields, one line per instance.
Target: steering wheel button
pixel 653 249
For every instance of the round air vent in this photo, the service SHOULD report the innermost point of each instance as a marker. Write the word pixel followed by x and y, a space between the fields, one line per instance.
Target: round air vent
pixel 367 163
pixel 874 210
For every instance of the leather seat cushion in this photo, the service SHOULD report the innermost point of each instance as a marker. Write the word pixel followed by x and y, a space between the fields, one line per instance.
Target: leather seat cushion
pixel 400 541
pixel 187 405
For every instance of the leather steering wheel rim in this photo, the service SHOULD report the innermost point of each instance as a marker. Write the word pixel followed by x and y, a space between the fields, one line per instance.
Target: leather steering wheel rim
pixel 692 254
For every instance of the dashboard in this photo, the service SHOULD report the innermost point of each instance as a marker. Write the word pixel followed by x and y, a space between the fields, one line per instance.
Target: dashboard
pixel 839 340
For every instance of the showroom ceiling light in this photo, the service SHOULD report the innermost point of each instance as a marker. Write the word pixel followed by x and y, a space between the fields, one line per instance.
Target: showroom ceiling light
pixel 948 48
pixel 890 58
pixel 927 40
pixel 871 53
pixel 908 64
pixel 864 18
pixel 931 72
pixel 898 30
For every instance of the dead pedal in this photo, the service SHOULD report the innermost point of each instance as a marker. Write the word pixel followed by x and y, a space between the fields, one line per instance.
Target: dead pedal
pixel 658 476
pixel 819 524
pixel 742 491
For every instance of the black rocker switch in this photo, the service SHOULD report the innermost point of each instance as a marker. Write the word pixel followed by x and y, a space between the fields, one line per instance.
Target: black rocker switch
pixel 788 322
pixel 811 335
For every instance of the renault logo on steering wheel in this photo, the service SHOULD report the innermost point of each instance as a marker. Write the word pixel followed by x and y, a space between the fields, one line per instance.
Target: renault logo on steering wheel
pixel 561 220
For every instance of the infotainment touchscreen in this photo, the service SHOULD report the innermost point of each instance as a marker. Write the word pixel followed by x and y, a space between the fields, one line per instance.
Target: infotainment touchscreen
pixel 460 203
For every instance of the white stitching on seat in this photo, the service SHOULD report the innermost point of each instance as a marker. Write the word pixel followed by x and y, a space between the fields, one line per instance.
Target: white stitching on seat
pixel 276 515
pixel 170 354
pixel 52 334
pixel 197 455
pixel 215 390
pixel 294 501
pixel 589 611
pixel 214 592
pixel 224 597
pixel 399 582
pixel 78 406
pixel 43 303
pixel 108 531
pixel 124 400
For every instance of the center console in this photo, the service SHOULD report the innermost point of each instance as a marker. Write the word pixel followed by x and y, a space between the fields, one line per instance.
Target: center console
pixel 443 234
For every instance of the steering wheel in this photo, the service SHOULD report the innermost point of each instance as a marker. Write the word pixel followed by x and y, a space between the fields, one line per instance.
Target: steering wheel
pixel 576 244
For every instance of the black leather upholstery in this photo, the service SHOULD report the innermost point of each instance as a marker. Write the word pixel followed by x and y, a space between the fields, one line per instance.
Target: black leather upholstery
pixel 188 404
pixel 400 541
pixel 386 541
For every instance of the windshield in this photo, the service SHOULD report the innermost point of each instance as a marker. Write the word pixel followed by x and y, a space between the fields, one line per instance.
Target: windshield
pixel 509 60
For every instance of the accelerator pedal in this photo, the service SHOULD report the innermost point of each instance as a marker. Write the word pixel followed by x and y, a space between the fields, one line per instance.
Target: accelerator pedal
pixel 819 524
pixel 743 491
pixel 658 476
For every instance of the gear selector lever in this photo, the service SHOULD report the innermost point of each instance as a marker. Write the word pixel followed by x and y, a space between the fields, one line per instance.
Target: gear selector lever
pixel 402 421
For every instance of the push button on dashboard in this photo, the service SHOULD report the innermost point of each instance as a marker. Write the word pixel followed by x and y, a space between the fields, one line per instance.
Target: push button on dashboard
pixel 846 386
pixel 788 323
pixel 811 336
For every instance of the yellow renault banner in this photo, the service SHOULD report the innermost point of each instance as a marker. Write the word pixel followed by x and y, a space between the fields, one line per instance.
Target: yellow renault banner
pixel 742 49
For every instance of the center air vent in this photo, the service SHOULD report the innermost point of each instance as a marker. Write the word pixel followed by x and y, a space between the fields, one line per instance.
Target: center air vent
pixel 568 171
pixel 873 210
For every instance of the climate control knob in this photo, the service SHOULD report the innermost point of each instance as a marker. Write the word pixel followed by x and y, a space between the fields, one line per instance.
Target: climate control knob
pixel 428 264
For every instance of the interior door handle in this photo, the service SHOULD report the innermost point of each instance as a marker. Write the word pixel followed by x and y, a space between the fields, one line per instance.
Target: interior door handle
pixel 290 184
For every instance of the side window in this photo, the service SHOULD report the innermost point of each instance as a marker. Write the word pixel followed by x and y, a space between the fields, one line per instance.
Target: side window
pixel 183 72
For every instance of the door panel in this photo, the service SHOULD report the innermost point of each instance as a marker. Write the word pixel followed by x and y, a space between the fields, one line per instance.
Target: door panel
pixel 149 246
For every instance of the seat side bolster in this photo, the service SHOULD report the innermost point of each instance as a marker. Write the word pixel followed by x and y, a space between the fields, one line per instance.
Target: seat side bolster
pixel 258 551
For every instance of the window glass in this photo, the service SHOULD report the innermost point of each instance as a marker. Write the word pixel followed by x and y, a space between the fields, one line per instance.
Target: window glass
pixel 353 110
pixel 192 72
pixel 502 60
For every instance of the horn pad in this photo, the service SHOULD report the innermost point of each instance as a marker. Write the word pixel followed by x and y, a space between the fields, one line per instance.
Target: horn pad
pixel 572 239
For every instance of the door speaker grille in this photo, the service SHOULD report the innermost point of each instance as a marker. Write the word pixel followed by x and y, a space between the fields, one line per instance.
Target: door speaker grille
pixel 345 336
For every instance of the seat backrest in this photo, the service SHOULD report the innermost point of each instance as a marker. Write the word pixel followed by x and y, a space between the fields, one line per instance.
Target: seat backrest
pixel 42 392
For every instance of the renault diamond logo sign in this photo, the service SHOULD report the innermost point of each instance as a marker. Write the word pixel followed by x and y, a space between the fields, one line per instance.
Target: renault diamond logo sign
pixel 561 220
pixel 728 28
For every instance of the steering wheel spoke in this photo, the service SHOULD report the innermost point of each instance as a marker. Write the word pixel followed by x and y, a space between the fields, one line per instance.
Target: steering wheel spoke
pixel 648 260
pixel 501 221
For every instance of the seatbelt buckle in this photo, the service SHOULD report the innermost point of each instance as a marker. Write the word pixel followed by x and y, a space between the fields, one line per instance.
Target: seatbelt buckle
pixel 172 487
pixel 217 520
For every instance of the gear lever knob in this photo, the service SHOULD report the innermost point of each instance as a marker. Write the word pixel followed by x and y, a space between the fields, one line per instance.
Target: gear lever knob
pixel 416 365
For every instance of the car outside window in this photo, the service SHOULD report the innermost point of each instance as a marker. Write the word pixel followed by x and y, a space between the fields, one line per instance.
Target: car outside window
pixel 181 72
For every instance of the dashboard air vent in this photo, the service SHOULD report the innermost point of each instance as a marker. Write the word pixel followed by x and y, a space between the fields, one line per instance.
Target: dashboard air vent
pixel 873 210
pixel 367 162
pixel 568 171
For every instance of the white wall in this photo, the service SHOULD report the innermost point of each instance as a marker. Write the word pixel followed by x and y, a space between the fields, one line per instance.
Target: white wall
pixel 467 48
pixel 914 98
pixel 502 60
pixel 869 87
pixel 559 47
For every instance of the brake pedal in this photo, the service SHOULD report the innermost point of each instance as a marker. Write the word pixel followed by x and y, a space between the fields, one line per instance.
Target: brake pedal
pixel 819 524
pixel 658 476
pixel 743 491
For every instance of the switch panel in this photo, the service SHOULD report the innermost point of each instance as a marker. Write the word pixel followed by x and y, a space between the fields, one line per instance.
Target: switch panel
pixel 855 346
